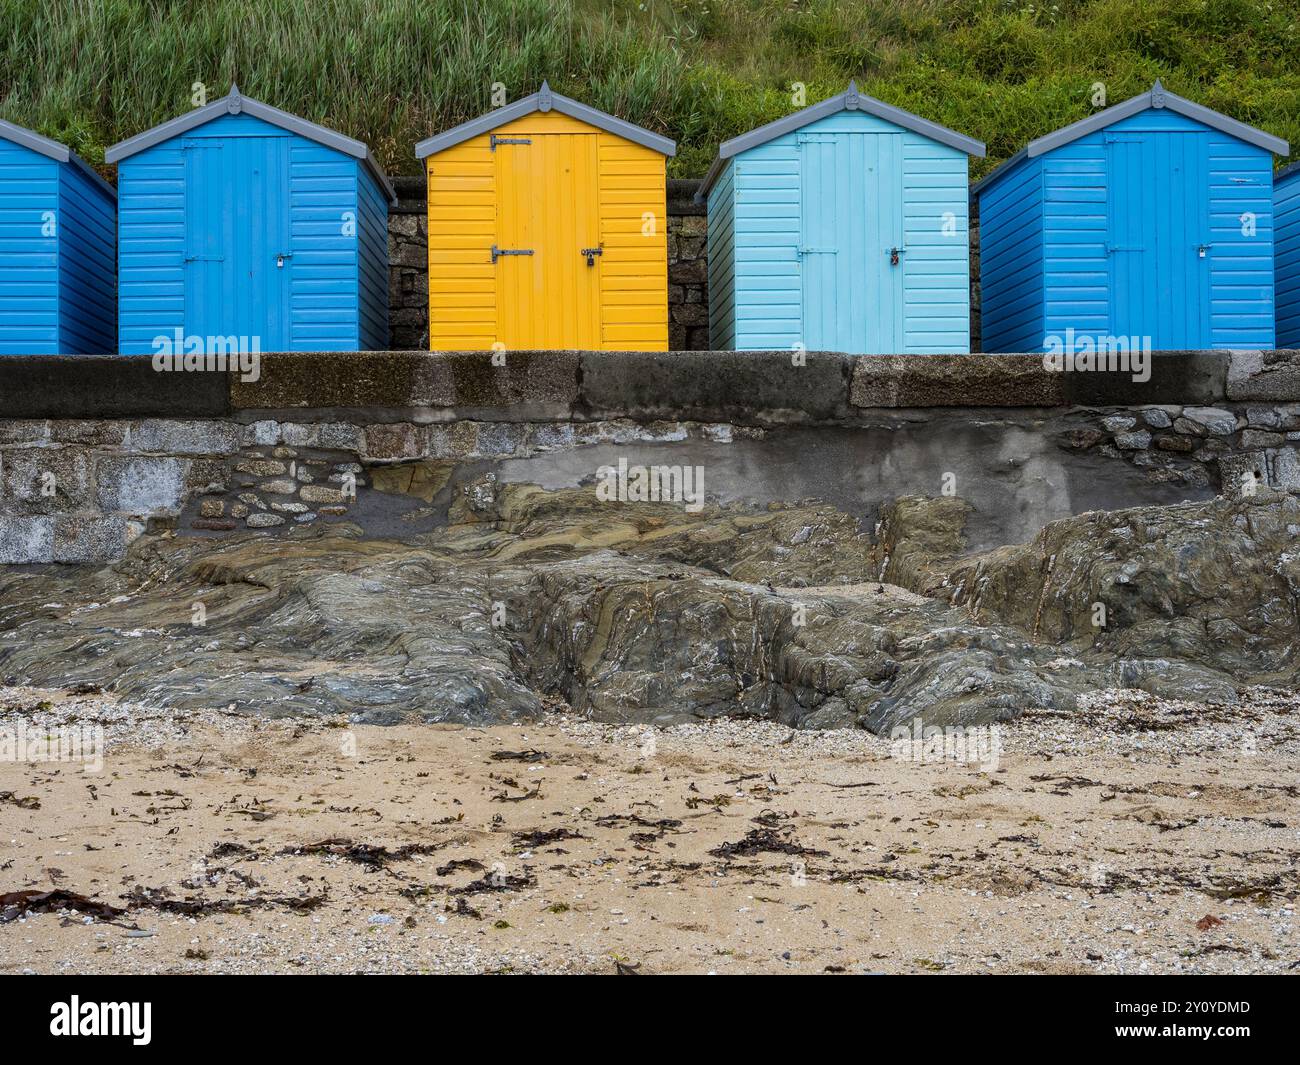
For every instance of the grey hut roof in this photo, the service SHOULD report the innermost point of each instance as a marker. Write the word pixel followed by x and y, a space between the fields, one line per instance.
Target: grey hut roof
pixel 544 100
pixel 51 149
pixel 235 103
pixel 849 100
pixel 1154 98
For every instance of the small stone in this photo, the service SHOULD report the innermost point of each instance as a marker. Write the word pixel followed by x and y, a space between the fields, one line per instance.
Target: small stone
pixel 1136 441
pixel 1286 469
pixel 305 519
pixel 260 467
pixel 289 508
pixel 1263 417
pixel 213 524
pixel 1257 438
pixel 285 453
pixel 1080 439
pixel 1182 425
pixel 212 508
pixel 1175 443
pixel 1156 418
pixel 264 521
pixel 1118 423
pixel 321 494
pixel 251 500
pixel 334 511
pixel 238 510
pixel 1217 421
pixel 280 488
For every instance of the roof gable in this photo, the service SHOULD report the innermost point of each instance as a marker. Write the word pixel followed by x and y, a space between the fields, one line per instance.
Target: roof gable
pixel 235 103
pixel 1155 98
pixel 849 100
pixel 544 100
pixel 52 149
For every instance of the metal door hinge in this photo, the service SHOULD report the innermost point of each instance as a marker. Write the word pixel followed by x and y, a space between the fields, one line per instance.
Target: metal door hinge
pixel 495 140
pixel 498 252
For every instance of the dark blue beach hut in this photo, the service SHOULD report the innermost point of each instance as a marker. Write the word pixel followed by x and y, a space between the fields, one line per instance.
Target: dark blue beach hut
pixel 56 249
pixel 1150 221
pixel 239 223
pixel 1286 204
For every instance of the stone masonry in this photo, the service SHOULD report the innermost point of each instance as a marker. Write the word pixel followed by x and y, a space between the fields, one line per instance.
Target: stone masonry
pixel 94 452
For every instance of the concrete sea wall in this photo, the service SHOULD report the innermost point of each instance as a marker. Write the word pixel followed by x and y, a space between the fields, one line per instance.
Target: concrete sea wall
pixel 94 451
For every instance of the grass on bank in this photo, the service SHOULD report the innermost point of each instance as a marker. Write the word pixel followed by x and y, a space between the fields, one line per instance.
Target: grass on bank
pixel 390 72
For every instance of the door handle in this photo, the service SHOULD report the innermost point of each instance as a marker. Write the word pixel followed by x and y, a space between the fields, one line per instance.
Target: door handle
pixel 591 254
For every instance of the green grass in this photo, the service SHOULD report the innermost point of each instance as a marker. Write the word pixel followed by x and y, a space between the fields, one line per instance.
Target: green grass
pixel 390 72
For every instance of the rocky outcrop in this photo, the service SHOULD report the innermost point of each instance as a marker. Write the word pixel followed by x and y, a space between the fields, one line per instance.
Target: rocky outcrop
pixel 644 612
pixel 1213 584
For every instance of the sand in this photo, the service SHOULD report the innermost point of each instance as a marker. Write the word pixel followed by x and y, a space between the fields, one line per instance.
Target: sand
pixel 1135 836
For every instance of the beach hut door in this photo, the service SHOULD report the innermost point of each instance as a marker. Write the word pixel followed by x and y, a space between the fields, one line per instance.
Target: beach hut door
pixel 548 253
pixel 1158 238
pixel 851 253
pixel 238 258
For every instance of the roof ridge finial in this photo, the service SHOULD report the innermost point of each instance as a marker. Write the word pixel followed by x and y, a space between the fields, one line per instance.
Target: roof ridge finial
pixel 851 96
pixel 544 96
pixel 1157 94
pixel 234 100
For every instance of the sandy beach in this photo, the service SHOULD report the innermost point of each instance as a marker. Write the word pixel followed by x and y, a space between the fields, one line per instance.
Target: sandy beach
pixel 1136 835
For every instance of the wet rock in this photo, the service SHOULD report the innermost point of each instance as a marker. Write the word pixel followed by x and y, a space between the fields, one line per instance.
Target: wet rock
pixel 647 613
pixel 1213 584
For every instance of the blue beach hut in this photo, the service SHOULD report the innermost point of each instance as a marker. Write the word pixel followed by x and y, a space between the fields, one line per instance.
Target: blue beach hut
pixel 1286 205
pixel 56 249
pixel 241 223
pixel 1150 221
pixel 841 227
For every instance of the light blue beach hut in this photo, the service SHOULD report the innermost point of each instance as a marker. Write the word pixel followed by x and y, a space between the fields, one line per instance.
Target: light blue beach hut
pixel 841 227
pixel 1286 204
pixel 1150 221
pixel 245 224
pixel 56 249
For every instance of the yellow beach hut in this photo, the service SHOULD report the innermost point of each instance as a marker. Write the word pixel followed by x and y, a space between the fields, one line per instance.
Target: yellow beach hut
pixel 547 230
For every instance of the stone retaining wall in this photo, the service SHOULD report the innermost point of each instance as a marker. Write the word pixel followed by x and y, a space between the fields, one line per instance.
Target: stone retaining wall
pixel 93 451
pixel 408 267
